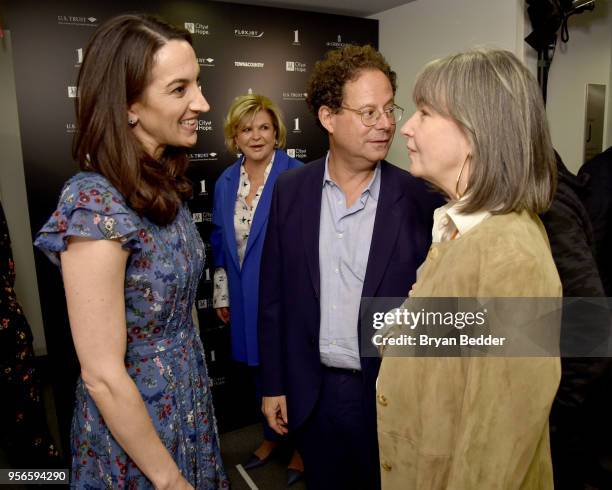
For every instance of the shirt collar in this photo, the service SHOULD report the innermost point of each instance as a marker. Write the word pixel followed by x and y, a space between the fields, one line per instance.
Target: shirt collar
pixel 449 215
pixel 373 187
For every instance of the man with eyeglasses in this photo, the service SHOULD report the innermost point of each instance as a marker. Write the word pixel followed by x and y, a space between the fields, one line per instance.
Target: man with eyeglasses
pixel 342 228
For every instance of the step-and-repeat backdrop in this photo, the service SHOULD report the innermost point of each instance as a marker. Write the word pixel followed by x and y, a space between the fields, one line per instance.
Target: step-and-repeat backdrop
pixel 240 49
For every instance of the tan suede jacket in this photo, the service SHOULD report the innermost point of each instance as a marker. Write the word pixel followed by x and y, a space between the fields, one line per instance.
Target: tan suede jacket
pixel 473 423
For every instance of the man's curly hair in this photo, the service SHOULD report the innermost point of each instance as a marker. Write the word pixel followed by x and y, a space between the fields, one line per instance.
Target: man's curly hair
pixel 326 83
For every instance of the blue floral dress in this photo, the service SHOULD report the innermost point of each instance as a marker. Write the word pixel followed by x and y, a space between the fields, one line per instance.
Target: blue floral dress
pixel 164 355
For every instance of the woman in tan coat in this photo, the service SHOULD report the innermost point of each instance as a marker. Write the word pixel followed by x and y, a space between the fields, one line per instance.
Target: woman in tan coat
pixel 480 135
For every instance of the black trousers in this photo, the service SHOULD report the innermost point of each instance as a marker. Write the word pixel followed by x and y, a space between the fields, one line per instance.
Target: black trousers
pixel 338 441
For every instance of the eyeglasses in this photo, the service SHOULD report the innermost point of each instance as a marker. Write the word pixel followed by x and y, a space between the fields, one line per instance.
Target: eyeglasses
pixel 370 116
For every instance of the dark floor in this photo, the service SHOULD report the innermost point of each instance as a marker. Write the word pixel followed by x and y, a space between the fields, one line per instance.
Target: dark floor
pixel 236 447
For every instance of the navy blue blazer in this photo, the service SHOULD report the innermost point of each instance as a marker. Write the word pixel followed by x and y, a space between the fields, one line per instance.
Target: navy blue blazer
pixel 289 310
pixel 243 281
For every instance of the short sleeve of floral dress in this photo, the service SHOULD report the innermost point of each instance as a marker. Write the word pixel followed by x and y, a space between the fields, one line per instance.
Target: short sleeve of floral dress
pixel 165 357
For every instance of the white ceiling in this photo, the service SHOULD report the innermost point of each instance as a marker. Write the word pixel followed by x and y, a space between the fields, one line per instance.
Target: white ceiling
pixel 357 8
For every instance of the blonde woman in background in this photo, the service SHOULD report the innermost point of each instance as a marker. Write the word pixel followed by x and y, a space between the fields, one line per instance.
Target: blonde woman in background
pixel 243 193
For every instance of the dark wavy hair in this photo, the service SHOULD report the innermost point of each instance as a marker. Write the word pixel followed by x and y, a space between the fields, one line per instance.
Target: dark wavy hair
pixel 116 69
pixel 326 83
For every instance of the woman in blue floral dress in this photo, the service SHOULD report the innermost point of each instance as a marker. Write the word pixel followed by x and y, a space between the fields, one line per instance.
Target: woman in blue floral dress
pixel 131 260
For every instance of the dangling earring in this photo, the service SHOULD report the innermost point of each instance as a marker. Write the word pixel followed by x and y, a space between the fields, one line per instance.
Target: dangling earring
pixel 457 192
pixel 132 122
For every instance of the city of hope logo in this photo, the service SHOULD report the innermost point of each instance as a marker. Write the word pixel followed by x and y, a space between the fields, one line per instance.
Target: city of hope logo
pixel 197 28
pixel 299 153
pixel 204 125
pixel 295 66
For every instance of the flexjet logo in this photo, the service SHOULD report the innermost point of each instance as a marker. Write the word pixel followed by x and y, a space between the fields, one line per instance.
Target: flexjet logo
pixel 299 153
pixel 248 33
pixel 248 64
pixel 295 95
pixel 204 125
pixel 71 20
pixel 203 157
pixel 338 43
pixel 295 66
pixel 206 61
pixel 197 28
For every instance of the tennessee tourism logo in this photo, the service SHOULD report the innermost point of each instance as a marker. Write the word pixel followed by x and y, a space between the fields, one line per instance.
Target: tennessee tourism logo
pixel 197 28
pixel 248 64
pixel 71 20
pixel 299 153
pixel 295 66
pixel 337 44
pixel 248 33
pixel 206 61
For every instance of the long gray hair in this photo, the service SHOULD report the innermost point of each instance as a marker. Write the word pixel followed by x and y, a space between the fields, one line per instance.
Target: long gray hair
pixel 498 103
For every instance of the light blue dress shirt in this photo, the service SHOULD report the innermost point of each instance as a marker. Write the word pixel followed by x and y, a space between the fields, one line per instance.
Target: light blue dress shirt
pixel 344 246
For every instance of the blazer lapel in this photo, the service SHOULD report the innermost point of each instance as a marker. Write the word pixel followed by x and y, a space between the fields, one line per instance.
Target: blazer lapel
pixel 386 227
pixel 311 217
pixel 260 218
pixel 231 191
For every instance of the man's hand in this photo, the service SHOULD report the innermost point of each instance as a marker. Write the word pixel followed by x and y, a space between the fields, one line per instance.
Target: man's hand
pixel 223 313
pixel 275 410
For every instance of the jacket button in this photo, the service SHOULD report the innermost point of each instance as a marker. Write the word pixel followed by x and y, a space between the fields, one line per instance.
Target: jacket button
pixel 382 399
pixel 386 466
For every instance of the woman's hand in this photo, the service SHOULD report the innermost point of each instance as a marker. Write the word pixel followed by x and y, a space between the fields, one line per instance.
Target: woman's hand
pixel 224 314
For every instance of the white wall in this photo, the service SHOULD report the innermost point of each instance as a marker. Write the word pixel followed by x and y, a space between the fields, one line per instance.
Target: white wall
pixel 422 30
pixel 13 195
pixel 586 58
